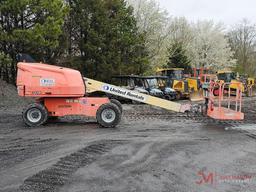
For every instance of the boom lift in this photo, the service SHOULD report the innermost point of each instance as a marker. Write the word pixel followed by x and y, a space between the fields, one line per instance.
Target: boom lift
pixel 60 92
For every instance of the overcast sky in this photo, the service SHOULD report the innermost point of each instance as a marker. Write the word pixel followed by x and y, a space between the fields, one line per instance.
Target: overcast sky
pixel 226 11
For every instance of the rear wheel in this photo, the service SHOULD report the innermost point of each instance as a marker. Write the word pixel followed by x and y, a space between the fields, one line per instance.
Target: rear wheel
pixel 35 115
pixel 118 104
pixel 108 115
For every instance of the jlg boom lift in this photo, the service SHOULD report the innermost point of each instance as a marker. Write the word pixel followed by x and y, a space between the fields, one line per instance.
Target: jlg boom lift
pixel 61 91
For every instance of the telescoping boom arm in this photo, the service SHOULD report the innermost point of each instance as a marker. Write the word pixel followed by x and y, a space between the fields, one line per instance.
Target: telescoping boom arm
pixel 93 86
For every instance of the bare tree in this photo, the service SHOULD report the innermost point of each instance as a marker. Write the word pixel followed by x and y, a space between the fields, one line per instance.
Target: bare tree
pixel 209 46
pixel 180 31
pixel 204 42
pixel 242 39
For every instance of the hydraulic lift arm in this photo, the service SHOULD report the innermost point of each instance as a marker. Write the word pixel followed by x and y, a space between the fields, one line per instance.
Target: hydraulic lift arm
pixel 93 86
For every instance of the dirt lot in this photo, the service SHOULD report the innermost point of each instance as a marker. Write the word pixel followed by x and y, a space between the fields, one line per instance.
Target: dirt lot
pixel 151 150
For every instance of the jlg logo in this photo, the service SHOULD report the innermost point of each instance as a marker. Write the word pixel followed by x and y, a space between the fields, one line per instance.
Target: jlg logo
pixel 47 82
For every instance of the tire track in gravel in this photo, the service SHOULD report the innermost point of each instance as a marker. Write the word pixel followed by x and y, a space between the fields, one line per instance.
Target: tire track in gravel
pixel 201 118
pixel 149 113
pixel 17 150
pixel 49 180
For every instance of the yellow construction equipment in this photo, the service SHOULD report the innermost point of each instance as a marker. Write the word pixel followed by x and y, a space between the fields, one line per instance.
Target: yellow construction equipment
pixel 196 93
pixel 187 87
pixel 229 76
pixel 176 81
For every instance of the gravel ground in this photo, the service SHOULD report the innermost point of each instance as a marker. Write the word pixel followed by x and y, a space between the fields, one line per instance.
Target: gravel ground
pixel 150 150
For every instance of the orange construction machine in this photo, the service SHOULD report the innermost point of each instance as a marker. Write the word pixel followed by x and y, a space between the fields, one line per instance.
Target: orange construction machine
pixel 60 92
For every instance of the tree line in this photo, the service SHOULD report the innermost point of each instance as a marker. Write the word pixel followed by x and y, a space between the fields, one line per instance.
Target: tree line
pixel 98 37
pixel 102 38
pixel 175 41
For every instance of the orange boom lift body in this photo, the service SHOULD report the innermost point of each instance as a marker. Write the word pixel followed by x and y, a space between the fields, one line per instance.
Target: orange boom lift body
pixel 61 91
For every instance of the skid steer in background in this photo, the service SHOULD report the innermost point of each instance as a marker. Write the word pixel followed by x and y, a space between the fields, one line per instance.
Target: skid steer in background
pixel 176 81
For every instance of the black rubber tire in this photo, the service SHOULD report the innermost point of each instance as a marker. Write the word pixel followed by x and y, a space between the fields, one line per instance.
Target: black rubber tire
pixel 41 108
pixel 101 121
pixel 168 97
pixel 118 104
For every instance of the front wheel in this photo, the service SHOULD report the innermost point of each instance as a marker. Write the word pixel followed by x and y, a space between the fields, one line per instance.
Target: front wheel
pixel 108 115
pixel 35 115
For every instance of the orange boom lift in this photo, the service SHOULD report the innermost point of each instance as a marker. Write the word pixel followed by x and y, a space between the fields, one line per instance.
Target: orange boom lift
pixel 61 92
